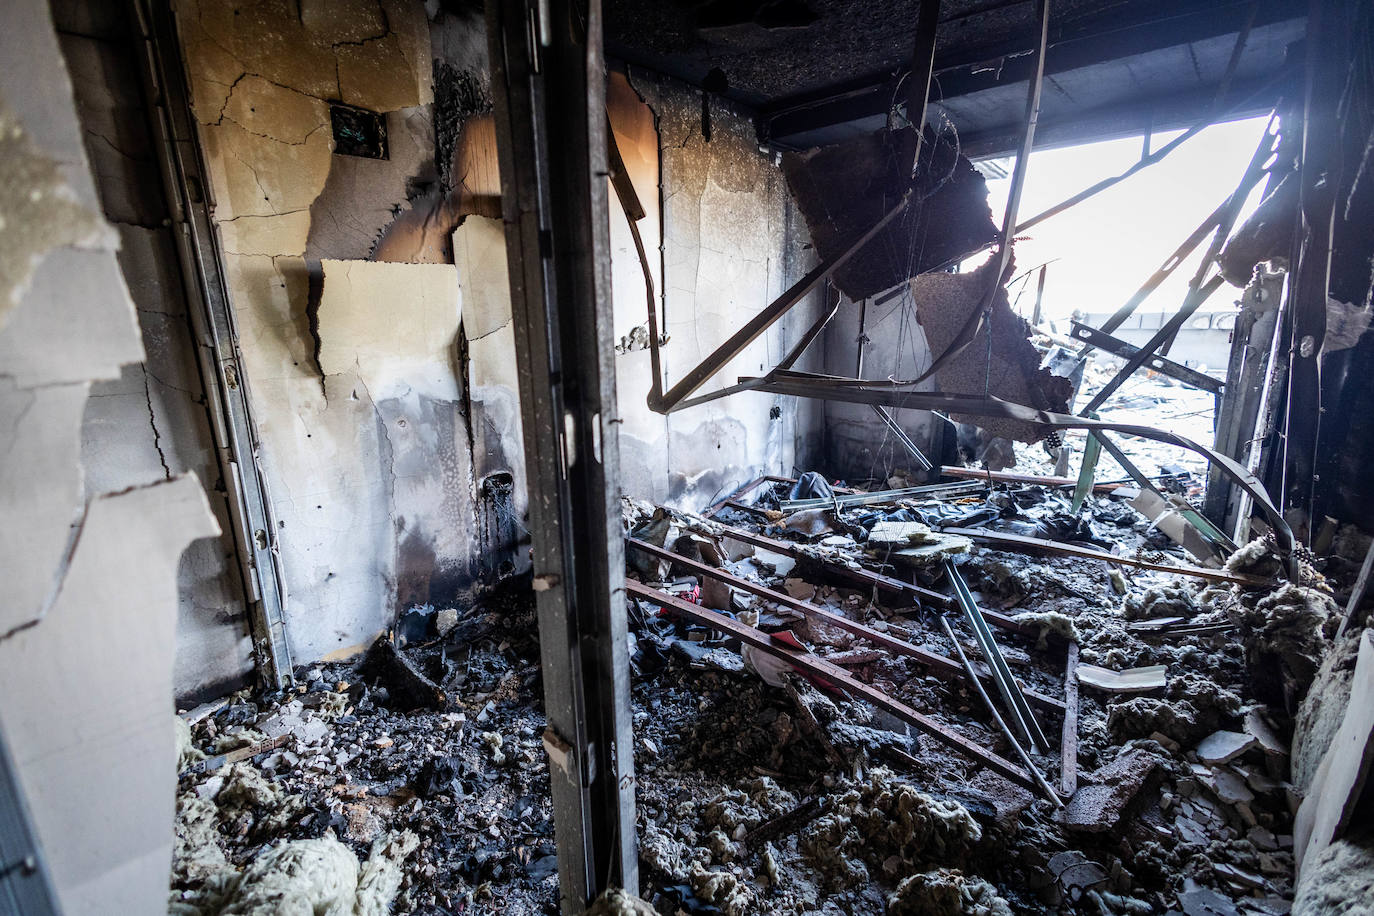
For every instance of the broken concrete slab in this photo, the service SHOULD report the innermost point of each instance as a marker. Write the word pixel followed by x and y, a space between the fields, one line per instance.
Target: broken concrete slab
pixel 1097 807
pixel 1223 746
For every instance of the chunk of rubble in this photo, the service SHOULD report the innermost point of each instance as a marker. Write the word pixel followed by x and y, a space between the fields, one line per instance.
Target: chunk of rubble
pixel 1223 746
pixel 946 892
pixel 1097 808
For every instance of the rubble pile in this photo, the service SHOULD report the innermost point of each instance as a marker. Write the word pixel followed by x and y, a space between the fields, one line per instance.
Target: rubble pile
pixel 414 779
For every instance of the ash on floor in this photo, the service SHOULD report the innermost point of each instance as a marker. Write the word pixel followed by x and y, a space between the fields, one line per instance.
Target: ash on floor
pixel 416 779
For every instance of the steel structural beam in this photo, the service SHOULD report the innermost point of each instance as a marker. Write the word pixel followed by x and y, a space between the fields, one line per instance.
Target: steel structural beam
pixel 216 333
pixel 816 666
pixel 1116 347
pixel 1072 47
pixel 942 664
pixel 548 86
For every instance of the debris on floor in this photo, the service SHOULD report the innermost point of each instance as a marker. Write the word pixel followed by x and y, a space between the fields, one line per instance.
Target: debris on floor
pixel 415 778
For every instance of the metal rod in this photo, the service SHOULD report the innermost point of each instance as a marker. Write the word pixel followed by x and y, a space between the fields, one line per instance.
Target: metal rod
pixel 997 718
pixel 900 435
pixel 1068 745
pixel 932 660
pixel 812 665
pixel 702 372
pixel 882 496
pixel 1017 707
pixel 1357 593
pixel 1005 539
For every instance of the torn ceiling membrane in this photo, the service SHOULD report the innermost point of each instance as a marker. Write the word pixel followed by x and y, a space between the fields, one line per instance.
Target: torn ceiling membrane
pixel 1009 370
pixel 845 189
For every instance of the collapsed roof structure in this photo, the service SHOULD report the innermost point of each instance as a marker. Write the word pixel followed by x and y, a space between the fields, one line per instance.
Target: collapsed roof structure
pixel 531 444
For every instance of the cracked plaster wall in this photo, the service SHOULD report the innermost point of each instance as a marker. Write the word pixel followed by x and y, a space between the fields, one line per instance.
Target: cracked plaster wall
pixel 341 274
pixel 152 423
pixel 732 242
pixel 87 626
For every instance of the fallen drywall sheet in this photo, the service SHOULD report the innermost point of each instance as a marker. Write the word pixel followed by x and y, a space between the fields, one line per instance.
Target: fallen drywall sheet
pixel 101 785
pixel 731 243
pixel 498 448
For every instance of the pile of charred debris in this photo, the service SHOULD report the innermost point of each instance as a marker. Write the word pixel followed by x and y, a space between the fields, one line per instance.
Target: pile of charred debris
pixel 941 699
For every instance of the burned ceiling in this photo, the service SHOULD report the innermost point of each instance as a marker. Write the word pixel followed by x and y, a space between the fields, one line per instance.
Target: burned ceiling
pixel 1113 68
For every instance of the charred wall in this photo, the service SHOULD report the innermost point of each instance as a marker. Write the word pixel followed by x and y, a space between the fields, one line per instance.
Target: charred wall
pixel 732 242
pixel 341 272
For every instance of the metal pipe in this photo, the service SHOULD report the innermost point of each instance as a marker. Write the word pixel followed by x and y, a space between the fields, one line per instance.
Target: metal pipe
pixel 997 718
pixel 1017 707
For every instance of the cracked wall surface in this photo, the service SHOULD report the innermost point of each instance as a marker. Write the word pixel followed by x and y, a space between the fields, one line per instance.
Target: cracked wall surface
pixel 153 422
pixel 352 365
pixel 87 625
pixel 732 243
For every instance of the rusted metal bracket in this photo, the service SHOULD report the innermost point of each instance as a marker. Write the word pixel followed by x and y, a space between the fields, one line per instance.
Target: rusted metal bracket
pixel 1068 745
pixel 810 664
pixel 941 664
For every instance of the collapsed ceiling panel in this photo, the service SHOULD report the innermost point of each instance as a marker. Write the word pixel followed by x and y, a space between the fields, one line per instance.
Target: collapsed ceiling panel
pixel 846 188
pixel 1009 368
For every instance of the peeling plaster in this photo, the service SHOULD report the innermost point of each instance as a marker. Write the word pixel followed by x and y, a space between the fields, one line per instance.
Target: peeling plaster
pixel 38 212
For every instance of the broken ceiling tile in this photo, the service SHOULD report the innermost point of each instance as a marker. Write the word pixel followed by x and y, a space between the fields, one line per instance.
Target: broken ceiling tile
pixel 1131 680
pixel 1224 746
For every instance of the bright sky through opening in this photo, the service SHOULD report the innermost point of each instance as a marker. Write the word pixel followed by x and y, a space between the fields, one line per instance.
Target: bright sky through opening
pixel 1107 246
